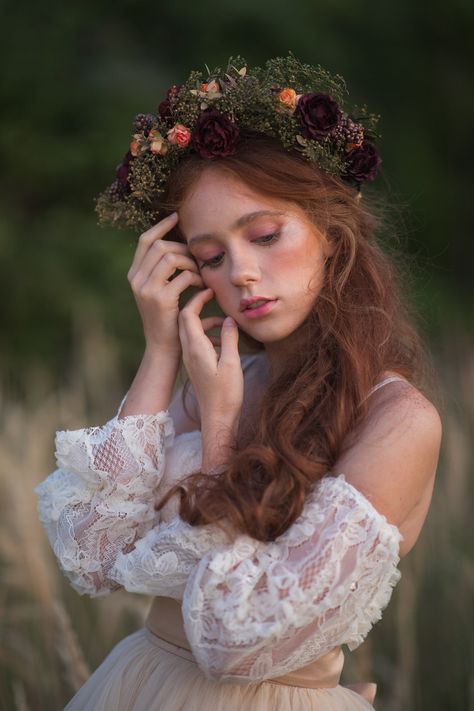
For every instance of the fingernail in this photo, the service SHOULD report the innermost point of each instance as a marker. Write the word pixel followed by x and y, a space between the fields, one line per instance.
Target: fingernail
pixel 228 321
pixel 173 214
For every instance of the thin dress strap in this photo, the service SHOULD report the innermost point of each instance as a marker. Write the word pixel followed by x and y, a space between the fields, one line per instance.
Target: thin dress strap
pixel 385 381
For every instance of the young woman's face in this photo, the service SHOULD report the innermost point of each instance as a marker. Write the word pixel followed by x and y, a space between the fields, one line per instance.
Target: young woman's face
pixel 247 245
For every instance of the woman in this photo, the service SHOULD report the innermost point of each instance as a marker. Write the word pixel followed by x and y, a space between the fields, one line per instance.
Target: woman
pixel 267 506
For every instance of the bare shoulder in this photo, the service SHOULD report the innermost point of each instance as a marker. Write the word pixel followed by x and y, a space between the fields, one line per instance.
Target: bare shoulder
pixel 393 455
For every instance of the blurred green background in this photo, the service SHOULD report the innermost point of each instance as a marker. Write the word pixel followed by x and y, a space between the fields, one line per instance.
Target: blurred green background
pixel 73 77
pixel 75 74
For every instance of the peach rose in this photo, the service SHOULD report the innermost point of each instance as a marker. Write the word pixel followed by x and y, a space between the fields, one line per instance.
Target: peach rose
pixel 157 142
pixel 179 135
pixel 135 147
pixel 288 98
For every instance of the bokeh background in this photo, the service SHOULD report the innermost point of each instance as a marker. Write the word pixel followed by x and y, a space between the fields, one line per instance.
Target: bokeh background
pixel 73 76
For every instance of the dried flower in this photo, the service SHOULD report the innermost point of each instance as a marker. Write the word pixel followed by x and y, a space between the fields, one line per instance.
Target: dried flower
pixel 179 135
pixel 319 114
pixel 362 163
pixel 164 109
pixel 287 98
pixel 157 143
pixel 215 135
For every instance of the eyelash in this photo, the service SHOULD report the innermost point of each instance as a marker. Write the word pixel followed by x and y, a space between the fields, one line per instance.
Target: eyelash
pixel 268 242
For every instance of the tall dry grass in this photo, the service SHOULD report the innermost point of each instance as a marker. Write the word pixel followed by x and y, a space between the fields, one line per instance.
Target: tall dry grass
pixel 421 653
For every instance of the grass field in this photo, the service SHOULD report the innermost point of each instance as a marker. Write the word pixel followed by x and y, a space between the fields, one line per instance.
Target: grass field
pixel 420 654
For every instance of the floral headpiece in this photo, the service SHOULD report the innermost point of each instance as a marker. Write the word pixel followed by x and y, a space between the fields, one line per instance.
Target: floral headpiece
pixel 300 104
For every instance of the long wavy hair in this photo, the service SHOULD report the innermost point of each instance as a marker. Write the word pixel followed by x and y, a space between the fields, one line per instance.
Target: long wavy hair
pixel 360 326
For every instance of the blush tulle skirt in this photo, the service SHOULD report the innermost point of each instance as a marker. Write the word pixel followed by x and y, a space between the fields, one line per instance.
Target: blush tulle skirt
pixel 146 673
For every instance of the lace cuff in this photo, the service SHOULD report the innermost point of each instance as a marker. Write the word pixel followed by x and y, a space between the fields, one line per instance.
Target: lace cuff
pixel 101 498
pixel 162 561
pixel 256 610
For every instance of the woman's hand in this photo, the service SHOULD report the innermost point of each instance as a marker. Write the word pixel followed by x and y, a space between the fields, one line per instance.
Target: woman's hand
pixel 217 379
pixel 157 297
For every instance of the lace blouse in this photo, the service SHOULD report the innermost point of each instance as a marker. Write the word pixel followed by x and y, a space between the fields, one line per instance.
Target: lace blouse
pixel 251 610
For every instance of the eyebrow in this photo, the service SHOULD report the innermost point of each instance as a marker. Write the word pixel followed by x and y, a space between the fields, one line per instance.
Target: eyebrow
pixel 241 222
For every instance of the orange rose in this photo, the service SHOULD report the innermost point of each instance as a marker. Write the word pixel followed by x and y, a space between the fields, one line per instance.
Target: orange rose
pixel 157 142
pixel 288 98
pixel 179 135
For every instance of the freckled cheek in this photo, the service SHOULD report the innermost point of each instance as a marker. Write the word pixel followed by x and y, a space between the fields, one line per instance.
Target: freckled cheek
pixel 284 263
pixel 297 269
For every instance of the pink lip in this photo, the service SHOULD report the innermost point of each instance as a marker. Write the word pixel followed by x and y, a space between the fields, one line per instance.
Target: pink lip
pixel 260 310
pixel 247 302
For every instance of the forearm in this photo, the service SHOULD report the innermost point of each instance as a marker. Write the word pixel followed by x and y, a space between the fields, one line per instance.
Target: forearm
pixel 218 436
pixel 152 388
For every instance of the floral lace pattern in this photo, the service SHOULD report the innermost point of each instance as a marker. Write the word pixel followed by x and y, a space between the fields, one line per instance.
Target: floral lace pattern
pixel 251 610
pixel 256 610
pixel 101 498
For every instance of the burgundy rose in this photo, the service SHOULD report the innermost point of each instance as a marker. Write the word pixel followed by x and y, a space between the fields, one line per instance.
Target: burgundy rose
pixel 318 113
pixel 122 172
pixel 164 109
pixel 362 163
pixel 215 135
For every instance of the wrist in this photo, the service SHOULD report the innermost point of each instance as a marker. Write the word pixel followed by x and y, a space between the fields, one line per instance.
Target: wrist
pixel 162 354
pixel 218 438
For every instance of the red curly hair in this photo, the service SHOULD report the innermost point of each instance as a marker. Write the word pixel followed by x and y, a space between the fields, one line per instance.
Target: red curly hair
pixel 359 327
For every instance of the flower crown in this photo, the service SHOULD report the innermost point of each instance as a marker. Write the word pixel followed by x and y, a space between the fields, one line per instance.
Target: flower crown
pixel 300 104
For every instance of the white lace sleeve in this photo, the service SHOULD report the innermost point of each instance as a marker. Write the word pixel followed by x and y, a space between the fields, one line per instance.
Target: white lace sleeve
pixel 162 561
pixel 100 499
pixel 256 610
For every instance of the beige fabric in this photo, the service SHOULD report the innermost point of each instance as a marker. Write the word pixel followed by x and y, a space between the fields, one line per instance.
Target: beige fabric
pixel 146 673
pixel 154 670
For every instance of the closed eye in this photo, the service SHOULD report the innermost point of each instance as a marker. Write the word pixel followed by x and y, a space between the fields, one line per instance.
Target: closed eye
pixel 216 261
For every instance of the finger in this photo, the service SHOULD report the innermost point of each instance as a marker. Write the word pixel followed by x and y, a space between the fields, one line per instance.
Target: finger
pixel 159 269
pixel 229 341
pixel 147 239
pixel 155 253
pixel 197 302
pixel 180 283
pixel 208 324
pixel 212 322
pixel 189 323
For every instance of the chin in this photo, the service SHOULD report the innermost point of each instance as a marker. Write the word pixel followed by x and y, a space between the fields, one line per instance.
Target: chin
pixel 266 334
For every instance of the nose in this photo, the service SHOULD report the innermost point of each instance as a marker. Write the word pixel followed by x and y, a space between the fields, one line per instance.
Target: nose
pixel 244 268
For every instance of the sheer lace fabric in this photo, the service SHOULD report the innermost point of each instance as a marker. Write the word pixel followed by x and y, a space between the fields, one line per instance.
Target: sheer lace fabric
pixel 251 610
pixel 254 610
pixel 101 498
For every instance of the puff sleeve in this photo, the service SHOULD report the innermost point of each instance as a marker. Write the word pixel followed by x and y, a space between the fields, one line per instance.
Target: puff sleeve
pixel 101 498
pixel 255 610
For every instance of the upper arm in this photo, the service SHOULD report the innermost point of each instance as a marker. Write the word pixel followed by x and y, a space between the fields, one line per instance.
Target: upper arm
pixel 395 454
